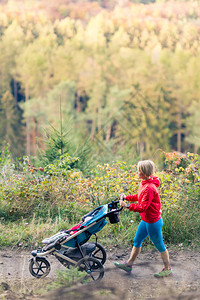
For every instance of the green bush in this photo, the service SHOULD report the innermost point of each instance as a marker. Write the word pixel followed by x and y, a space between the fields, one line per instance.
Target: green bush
pixel 181 224
pixel 61 197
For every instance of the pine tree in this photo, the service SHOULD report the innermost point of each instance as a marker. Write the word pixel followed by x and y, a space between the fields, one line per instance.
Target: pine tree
pixel 193 126
pixel 13 126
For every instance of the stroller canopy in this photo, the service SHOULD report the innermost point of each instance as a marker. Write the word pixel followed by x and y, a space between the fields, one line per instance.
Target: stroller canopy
pixel 95 215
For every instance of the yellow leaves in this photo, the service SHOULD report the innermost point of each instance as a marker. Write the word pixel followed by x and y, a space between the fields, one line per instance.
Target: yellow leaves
pixel 117 187
pixel 190 154
pixel 94 35
pixel 187 180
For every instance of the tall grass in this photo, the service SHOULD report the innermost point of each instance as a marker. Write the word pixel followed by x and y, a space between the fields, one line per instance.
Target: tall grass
pixel 181 224
pixel 27 234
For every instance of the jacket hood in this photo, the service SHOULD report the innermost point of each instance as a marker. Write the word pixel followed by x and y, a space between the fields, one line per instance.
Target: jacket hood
pixel 153 180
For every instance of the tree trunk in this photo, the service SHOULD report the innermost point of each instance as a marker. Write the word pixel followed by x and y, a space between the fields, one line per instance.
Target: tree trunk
pixel 93 130
pixel 15 91
pixel 141 149
pixel 99 119
pixel 109 129
pixel 34 137
pixel 28 135
pixel 108 134
pixel 195 149
pixel 179 131
pixel 78 103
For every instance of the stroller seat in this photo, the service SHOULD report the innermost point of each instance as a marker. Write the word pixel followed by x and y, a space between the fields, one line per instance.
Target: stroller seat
pixel 55 237
pixel 85 227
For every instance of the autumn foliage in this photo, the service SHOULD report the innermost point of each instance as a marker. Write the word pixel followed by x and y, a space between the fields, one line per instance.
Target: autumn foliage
pixel 127 74
pixel 44 193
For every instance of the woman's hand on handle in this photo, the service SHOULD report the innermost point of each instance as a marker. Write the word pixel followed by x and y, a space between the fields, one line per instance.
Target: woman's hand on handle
pixel 122 197
pixel 122 203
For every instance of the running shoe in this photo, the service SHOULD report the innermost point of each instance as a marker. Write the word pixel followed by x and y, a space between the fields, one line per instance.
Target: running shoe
pixel 124 267
pixel 163 273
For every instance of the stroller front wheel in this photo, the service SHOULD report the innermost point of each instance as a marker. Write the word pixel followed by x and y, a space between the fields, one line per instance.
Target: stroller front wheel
pixel 92 267
pixel 39 267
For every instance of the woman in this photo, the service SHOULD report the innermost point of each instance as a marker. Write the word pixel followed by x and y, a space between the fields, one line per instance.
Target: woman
pixel 149 207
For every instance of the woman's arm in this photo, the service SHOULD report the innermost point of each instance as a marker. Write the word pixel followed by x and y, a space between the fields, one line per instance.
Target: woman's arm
pixel 146 200
pixel 132 198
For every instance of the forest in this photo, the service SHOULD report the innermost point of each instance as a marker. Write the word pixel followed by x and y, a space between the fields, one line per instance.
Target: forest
pixel 87 89
pixel 122 76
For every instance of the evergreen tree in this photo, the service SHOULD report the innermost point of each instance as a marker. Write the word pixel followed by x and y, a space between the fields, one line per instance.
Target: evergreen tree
pixel 193 126
pixel 12 126
pixel 175 66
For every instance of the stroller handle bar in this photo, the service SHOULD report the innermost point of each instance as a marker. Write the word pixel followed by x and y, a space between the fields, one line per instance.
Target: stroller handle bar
pixel 113 205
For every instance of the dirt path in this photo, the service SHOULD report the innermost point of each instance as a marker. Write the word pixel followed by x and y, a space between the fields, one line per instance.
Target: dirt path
pixel 17 283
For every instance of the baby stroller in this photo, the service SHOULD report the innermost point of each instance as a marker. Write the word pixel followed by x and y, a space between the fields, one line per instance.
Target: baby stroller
pixel 70 247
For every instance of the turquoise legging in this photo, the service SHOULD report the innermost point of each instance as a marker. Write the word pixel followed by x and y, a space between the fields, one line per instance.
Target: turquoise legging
pixel 154 231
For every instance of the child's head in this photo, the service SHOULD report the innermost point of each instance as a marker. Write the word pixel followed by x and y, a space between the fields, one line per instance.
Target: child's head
pixel 146 168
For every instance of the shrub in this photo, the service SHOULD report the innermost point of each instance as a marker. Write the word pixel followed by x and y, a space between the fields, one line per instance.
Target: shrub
pixel 61 194
pixel 181 195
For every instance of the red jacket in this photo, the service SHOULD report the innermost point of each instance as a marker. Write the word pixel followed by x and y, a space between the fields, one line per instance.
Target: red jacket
pixel 149 204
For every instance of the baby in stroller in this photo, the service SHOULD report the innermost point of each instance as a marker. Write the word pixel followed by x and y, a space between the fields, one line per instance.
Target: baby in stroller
pixel 75 228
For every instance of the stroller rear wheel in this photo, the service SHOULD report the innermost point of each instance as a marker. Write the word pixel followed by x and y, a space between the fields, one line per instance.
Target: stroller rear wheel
pixel 39 267
pixel 99 253
pixel 92 267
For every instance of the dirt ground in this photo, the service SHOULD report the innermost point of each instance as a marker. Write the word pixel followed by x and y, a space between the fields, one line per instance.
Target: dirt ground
pixel 17 283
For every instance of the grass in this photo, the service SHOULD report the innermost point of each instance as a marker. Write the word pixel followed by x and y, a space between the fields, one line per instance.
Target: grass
pixel 67 277
pixel 27 234
pixel 30 233
pixel 181 224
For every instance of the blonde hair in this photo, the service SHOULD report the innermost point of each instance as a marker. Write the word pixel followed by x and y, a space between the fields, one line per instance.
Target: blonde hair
pixel 146 167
